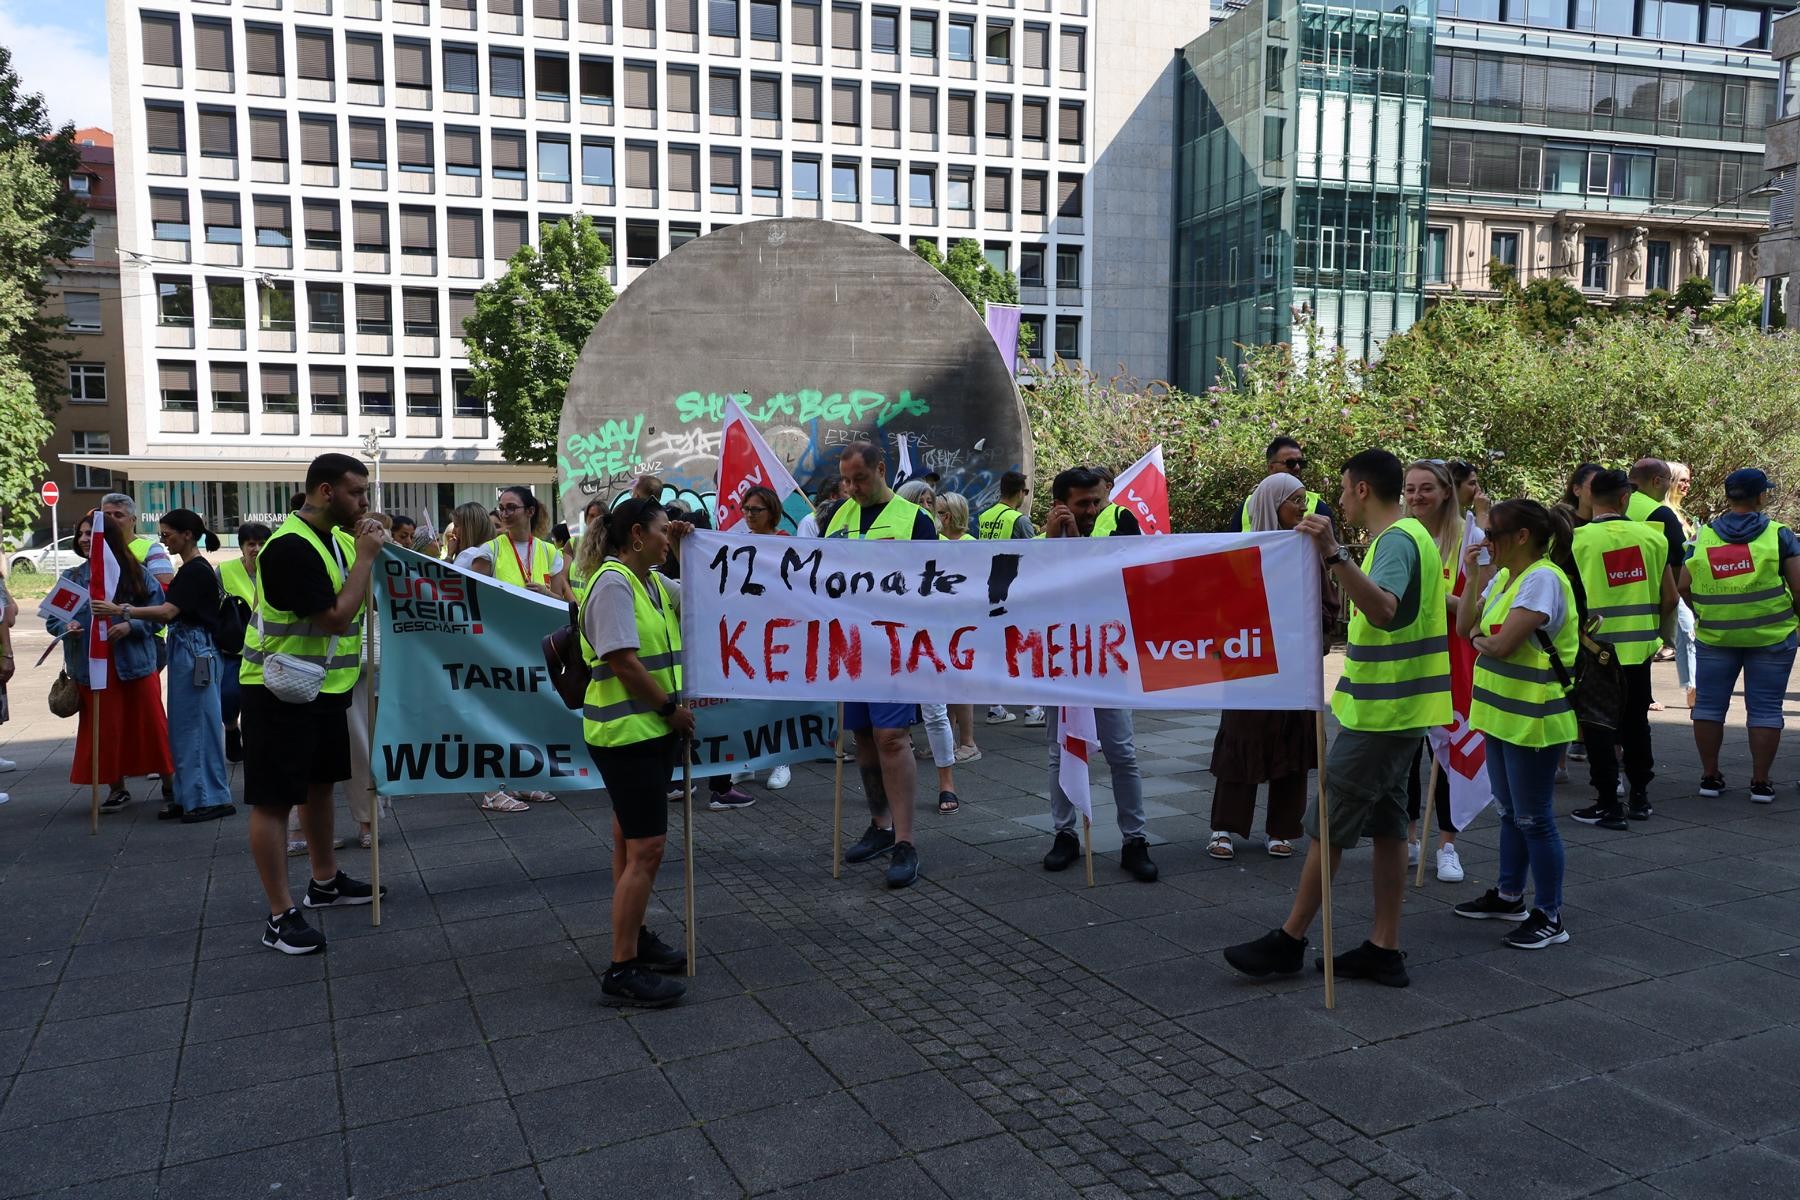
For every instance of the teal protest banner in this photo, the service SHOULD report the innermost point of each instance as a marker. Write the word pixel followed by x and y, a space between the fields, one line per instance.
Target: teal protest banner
pixel 466 703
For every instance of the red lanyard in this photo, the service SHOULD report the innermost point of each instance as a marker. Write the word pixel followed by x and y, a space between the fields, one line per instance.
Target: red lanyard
pixel 524 572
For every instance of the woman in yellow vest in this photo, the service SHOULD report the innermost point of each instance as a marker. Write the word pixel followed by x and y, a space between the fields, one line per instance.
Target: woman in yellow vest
pixel 238 577
pixel 522 555
pixel 1520 612
pixel 636 726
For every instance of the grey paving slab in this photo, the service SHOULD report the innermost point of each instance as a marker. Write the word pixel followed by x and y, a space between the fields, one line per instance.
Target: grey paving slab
pixel 1642 1134
pixel 728 1082
pixel 678 1163
pixel 572 1054
pixel 312 1169
pixel 996 1167
pixel 420 1083
pixel 1710 1086
pixel 1375 1089
pixel 443 1147
pixel 263 1114
pixel 580 1117
pixel 1740 1171
pixel 1496 1157
pixel 800 1140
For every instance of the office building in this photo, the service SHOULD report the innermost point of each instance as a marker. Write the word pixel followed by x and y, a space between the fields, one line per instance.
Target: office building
pixel 312 190
pixel 1778 260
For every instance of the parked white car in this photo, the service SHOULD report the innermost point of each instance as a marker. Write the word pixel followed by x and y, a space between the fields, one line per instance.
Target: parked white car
pixel 44 558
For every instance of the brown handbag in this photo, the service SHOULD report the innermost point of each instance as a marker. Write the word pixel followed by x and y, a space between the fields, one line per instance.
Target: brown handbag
pixel 65 697
pixel 569 673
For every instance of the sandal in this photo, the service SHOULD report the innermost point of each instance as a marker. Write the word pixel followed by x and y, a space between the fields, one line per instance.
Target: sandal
pixel 501 802
pixel 536 797
pixel 366 840
pixel 1219 846
pixel 296 847
pixel 947 803
pixel 1656 706
pixel 1280 848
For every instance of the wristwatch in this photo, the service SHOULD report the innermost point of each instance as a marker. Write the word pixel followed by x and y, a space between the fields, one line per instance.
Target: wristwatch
pixel 1337 556
pixel 668 709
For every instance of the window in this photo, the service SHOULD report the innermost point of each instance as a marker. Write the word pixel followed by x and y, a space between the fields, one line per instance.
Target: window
pixel 680 235
pixel 83 310
pixel 1656 266
pixel 321 221
pixel 884 184
pixel 225 303
pixel 725 178
pixel 230 388
pixel 413 148
pixel 597 164
pixel 1679 20
pixel 174 302
pixel 1718 269
pixel 509 155
pixel 765 97
pixel 368 145
pixel 164 132
pixel 846 21
pixel 462 150
pixel 412 64
pixel 275 306
pixel 161 40
pixel 994 254
pixel 274 222
pixel 1504 247
pixel 1068 337
pixel 806 179
pixel 997 192
pixel 91 479
pixel 362 60
pixel 218 133
pixel 999 43
pixel 212 45
pixel 1031 336
pixel 884 31
pixel 552 76
pixel 722 18
pixel 1068 124
pixel 169 216
pixel 765 21
pixel 722 94
pixel 962 41
pixel 844 183
pixel 176 383
pixel 85 251
pixel 280 389
pixel 641 239
pixel 1068 268
pixel 325 307
pixel 924 37
pixel 1072 50
pixel 369 228
pixel 1437 254
pixel 959 189
pixel 1595 255
pixel 79 184
pixel 846 105
pixel 1736 26
pixel 375 391
pixel 765 174
pixel 328 392
pixel 462 230
pixel 87 383
pixel 506 73
pixel 596 80
pixel 422 398
pixel 462 71
pixel 1068 196
pixel 1790 90
pixel 1599 171
pixel 418 230
pixel 466 403
pixel 553 160
pixel 921 189
pixel 1031 266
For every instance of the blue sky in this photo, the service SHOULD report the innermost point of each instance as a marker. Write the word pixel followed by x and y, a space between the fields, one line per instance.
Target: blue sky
pixel 59 48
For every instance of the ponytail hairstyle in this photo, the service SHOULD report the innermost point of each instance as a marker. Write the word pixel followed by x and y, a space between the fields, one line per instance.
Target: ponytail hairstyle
pixel 1579 476
pixel 1546 529
pixel 629 515
pixel 186 520
pixel 539 515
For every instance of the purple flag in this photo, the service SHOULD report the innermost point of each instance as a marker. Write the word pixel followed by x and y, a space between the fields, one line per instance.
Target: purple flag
pixel 1003 324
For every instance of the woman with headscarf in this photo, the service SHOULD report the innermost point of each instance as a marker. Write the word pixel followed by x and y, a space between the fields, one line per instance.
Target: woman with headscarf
pixel 1276 748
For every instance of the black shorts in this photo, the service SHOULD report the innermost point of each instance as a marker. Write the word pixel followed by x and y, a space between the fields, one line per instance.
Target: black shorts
pixel 637 782
pixel 290 747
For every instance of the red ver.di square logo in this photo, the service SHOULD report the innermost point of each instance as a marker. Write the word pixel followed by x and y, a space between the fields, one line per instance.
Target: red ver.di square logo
pixel 1200 620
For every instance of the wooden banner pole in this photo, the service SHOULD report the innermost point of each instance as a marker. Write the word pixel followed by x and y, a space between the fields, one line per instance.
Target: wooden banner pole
pixel 1430 807
pixel 687 844
pixel 369 741
pixel 1087 846
pixel 837 796
pixel 94 761
pixel 1325 866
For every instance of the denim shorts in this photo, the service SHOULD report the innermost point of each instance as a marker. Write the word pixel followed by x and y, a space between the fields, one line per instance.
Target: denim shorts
pixel 860 715
pixel 1765 670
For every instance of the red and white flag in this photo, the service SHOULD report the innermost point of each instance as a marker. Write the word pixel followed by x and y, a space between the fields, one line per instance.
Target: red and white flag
pixel 1143 491
pixel 1460 750
pixel 103 581
pixel 745 461
pixel 1077 737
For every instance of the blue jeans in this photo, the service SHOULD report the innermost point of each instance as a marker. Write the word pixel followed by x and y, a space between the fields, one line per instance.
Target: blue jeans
pixel 1765 670
pixel 1116 745
pixel 196 732
pixel 229 664
pixel 1523 779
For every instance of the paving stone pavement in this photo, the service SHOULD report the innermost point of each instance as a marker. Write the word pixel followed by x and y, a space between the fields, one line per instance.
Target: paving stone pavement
pixel 993 1031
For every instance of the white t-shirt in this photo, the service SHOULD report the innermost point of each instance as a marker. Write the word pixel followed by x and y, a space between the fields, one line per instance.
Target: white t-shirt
pixel 809 526
pixel 466 558
pixel 1540 593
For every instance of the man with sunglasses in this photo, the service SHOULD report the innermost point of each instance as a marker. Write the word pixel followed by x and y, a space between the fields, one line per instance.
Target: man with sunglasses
pixel 1285 456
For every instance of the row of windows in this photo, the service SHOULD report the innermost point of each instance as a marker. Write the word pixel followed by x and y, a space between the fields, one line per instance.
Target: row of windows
pixel 1503 163
pixel 1581 95
pixel 229 388
pixel 83 441
pixel 1597 254
pixel 1740 26
pixel 265 46
pixel 166 128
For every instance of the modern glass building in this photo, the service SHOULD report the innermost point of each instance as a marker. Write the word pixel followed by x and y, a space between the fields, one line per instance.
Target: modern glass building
pixel 1302 136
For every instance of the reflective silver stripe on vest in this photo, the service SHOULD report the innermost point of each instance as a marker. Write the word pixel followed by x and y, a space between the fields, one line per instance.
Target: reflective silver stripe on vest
pixel 1629 635
pixel 1702 599
pixel 1772 621
pixel 256 655
pixel 652 662
pixel 1398 651
pixel 1522 708
pixel 1508 670
pixel 613 712
pixel 1628 610
pixel 306 629
pixel 1402 690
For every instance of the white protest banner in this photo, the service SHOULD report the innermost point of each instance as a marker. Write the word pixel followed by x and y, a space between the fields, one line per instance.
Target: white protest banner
pixel 1205 621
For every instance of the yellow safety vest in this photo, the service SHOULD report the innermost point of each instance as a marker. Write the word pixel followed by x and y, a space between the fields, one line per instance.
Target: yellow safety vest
pixel 895 524
pixel 1520 699
pixel 1621 565
pixel 289 633
pixel 610 714
pixel 1740 597
pixel 1107 523
pixel 1399 679
pixel 1640 506
pixel 997 521
pixel 506 561
pixel 235 578
pixel 1313 500
pixel 140 550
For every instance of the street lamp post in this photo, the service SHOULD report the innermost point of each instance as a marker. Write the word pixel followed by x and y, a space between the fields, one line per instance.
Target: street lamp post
pixel 372 448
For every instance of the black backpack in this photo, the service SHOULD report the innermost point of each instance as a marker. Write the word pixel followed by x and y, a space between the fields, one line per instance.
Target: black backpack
pixel 233 617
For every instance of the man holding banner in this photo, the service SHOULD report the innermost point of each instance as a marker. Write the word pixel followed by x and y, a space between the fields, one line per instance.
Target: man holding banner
pixel 884 755
pixel 1079 498
pixel 1395 685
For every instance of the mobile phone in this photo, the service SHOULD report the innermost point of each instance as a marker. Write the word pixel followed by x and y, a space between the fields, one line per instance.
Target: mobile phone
pixel 1483 556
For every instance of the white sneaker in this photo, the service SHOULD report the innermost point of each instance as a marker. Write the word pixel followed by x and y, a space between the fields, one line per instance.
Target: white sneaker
pixel 1034 717
pixel 1449 866
pixel 7 764
pixel 780 777
pixel 1412 854
pixel 999 714
pixel 4 797
pixel 1562 774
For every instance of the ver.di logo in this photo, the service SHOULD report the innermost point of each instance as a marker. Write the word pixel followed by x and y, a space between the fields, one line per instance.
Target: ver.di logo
pixel 1625 566
pixel 1200 620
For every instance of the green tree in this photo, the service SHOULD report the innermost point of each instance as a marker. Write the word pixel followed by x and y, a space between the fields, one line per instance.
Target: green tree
pixel 528 330
pixel 975 277
pixel 1695 295
pixel 1742 310
pixel 64 227
pixel 27 192
pixel 1552 305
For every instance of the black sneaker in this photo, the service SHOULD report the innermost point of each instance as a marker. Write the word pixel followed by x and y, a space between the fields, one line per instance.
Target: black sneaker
pixel 1134 856
pixel 1762 792
pixel 209 812
pixel 631 985
pixel 234 744
pixel 1537 932
pixel 874 842
pixel 903 868
pixel 1712 786
pixel 1638 807
pixel 1492 908
pixel 115 800
pixel 657 954
pixel 1606 816
pixel 1369 961
pixel 168 812
pixel 1274 953
pixel 290 934
pixel 1063 851
pixel 342 890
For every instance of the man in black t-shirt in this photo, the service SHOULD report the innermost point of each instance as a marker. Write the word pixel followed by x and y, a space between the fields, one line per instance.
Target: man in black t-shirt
pixel 295 753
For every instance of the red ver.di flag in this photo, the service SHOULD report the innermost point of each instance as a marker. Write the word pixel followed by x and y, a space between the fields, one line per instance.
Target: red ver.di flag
pixel 1143 490
pixel 103 580
pixel 1460 750
pixel 745 461
pixel 1077 737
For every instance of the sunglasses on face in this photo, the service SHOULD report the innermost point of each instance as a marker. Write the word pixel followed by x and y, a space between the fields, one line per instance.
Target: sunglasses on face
pixel 1292 464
